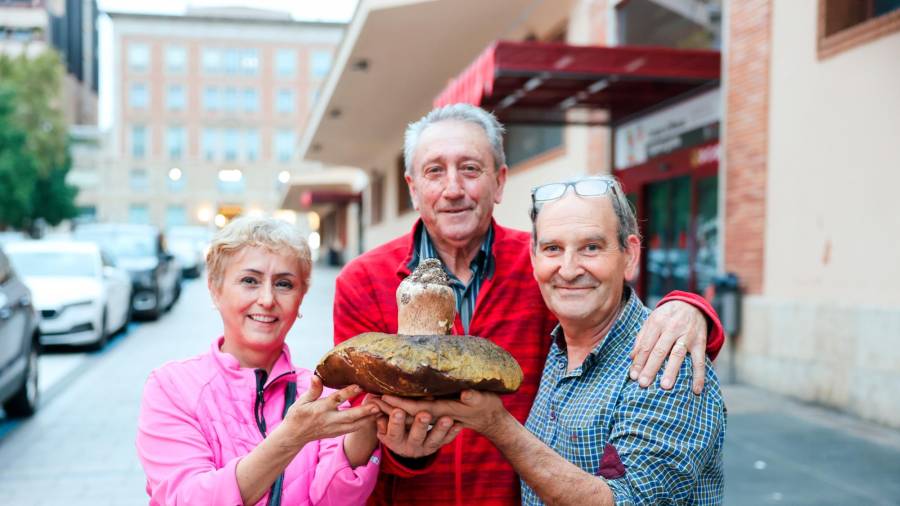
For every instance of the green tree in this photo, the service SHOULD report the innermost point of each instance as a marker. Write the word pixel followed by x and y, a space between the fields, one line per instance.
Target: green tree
pixel 18 177
pixel 36 86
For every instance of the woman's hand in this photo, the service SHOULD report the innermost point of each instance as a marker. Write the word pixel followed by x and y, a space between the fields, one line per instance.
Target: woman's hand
pixel 311 418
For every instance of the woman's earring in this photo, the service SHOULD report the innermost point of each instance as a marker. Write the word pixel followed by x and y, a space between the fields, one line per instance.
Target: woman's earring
pixel 299 315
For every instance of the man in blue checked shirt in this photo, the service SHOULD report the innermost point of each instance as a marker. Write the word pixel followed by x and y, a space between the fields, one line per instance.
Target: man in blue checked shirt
pixel 593 436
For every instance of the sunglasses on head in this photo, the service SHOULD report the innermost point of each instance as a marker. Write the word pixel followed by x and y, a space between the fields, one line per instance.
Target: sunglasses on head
pixel 590 187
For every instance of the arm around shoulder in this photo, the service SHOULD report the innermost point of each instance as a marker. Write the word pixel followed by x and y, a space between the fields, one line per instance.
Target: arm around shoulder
pixel 716 334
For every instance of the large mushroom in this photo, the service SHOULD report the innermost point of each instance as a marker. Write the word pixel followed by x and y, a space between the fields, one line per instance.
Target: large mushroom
pixel 422 359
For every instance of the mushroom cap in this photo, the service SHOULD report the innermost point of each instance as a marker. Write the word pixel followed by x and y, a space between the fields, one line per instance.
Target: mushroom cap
pixel 420 366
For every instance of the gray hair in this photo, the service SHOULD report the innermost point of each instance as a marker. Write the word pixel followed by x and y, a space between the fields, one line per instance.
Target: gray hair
pixel 625 217
pixel 247 232
pixel 455 112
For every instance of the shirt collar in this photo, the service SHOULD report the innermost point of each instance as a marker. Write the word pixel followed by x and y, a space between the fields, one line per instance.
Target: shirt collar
pixel 423 247
pixel 629 317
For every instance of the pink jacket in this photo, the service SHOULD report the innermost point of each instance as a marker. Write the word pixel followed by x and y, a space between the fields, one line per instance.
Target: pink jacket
pixel 197 422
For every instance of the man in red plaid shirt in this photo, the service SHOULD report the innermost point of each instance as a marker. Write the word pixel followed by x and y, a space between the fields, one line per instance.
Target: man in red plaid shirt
pixel 456 170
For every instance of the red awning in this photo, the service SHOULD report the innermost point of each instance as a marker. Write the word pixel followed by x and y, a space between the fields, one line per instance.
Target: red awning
pixel 542 82
pixel 309 198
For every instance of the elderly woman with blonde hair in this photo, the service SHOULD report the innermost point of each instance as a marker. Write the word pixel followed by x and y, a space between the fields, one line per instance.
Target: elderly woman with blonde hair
pixel 240 424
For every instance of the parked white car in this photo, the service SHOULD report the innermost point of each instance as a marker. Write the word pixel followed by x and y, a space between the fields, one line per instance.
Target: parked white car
pixel 81 297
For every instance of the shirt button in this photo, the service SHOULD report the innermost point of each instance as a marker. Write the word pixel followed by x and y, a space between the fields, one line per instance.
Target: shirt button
pixel 574 437
pixel 552 415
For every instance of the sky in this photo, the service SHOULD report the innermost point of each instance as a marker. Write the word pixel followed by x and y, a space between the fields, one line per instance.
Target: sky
pixel 312 10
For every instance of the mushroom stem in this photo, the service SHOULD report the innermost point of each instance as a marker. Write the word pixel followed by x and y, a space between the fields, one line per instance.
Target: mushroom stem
pixel 426 305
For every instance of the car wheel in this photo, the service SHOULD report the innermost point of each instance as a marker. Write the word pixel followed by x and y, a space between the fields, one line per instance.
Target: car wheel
pixel 103 337
pixel 24 402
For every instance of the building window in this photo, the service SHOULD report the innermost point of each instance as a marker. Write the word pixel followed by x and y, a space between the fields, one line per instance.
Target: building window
pixel 319 63
pixel 404 201
pixel 138 141
pixel 138 97
pixel 209 142
pixel 232 61
pixel 284 145
pixel 285 62
pixel 230 181
pixel 175 99
pixel 527 141
pixel 138 57
pixel 212 61
pixel 844 24
pixel 284 101
pixel 231 99
pixel 249 62
pixel 212 100
pixel 231 142
pixel 698 26
pixel 376 196
pixel 175 216
pixel 175 142
pixel 138 180
pixel 139 214
pixel 176 59
pixel 175 179
pixel 251 100
pixel 251 144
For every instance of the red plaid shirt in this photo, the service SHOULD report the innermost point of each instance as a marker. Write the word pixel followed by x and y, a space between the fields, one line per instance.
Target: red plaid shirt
pixel 509 311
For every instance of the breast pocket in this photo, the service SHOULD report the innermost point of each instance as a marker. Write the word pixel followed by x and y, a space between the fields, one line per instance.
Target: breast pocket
pixel 583 446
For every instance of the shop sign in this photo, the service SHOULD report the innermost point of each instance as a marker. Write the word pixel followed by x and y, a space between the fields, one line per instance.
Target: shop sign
pixel 705 155
pixel 683 125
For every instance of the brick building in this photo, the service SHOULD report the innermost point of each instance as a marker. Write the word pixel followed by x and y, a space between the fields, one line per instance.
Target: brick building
pixel 207 108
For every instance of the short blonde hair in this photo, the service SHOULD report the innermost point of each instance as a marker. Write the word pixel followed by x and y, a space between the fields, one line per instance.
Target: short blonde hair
pixel 274 235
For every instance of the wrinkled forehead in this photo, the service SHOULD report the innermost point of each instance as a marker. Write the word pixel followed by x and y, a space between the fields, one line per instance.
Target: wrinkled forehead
pixel 571 209
pixel 450 139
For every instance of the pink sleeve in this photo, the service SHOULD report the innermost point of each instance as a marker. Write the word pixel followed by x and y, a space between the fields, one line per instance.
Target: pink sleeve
pixel 176 457
pixel 335 482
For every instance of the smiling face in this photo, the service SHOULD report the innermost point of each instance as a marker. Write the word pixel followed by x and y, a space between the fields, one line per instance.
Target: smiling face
pixel 258 297
pixel 454 184
pixel 578 263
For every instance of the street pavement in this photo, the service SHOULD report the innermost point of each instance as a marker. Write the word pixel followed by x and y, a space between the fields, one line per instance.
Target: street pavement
pixel 79 448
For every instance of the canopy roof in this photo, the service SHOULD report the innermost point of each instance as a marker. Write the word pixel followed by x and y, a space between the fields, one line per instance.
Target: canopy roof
pixel 545 82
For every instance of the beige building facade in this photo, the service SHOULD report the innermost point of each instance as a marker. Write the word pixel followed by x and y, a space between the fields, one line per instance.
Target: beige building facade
pixel 785 179
pixel 207 109
pixel 823 322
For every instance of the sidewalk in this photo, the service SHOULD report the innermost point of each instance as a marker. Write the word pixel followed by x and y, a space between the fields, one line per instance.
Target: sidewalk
pixel 779 451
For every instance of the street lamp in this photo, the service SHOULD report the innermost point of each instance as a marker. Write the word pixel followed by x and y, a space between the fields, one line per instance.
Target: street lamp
pixel 175 174
pixel 284 176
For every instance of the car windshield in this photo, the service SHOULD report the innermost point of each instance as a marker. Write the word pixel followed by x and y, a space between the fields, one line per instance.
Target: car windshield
pixel 123 244
pixel 53 263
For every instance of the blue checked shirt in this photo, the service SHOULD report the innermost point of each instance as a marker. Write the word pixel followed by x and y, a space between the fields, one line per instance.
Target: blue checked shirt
pixel 670 442
pixel 482 268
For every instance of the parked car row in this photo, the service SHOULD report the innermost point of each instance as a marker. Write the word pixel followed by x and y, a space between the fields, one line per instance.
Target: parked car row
pixel 80 290
pixel 140 250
